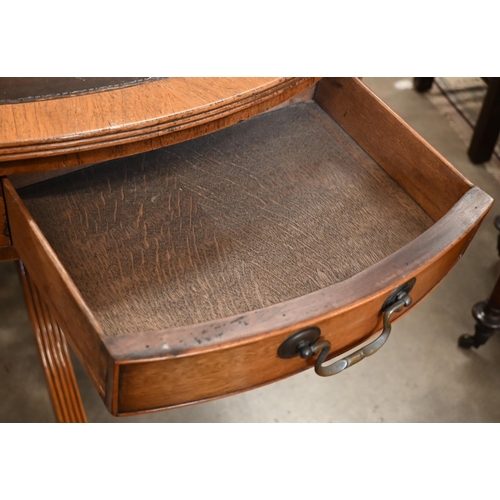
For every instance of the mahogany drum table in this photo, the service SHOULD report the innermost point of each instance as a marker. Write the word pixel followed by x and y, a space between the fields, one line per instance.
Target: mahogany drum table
pixel 192 238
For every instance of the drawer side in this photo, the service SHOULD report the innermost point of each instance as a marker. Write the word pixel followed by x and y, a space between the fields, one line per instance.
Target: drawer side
pixel 415 165
pixel 57 289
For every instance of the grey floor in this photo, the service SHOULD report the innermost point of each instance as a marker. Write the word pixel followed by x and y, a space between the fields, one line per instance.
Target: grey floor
pixel 419 376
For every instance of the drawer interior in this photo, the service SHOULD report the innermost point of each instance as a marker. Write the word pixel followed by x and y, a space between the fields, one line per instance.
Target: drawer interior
pixel 270 209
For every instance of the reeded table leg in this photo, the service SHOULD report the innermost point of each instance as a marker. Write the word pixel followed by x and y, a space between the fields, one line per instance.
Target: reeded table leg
pixel 54 352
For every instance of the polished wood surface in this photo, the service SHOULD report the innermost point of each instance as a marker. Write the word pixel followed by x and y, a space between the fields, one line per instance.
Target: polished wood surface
pixel 141 370
pixel 84 129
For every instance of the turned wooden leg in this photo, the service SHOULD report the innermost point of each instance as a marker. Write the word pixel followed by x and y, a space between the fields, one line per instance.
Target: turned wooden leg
pixel 55 356
pixel 487 316
pixel 497 227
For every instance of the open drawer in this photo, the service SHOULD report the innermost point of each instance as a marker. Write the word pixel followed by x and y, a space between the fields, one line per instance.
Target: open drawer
pixel 178 274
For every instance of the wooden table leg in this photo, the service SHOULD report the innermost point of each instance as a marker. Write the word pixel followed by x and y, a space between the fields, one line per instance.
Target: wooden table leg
pixel 55 356
pixel 487 127
pixel 423 84
pixel 487 316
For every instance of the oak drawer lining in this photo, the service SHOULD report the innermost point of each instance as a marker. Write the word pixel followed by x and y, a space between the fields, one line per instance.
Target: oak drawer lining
pixel 265 211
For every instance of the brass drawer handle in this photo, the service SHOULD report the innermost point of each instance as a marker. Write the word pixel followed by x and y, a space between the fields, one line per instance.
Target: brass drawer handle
pixel 305 342
pixel 356 357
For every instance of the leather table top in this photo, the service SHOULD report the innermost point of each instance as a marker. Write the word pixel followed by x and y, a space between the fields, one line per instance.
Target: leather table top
pixel 16 90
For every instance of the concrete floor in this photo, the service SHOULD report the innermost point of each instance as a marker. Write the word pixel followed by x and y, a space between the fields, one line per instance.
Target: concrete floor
pixel 419 376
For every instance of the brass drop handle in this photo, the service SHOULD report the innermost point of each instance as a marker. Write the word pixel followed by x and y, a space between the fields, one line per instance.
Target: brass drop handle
pixel 356 357
pixel 305 343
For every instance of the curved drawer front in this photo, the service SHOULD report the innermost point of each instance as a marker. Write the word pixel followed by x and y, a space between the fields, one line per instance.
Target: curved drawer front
pixel 178 274
pixel 170 368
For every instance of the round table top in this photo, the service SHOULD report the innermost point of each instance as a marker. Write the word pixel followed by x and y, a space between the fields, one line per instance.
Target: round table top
pixel 57 123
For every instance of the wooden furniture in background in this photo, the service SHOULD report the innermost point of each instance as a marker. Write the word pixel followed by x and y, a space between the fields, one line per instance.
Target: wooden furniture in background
pixel 486 133
pixel 487 128
pixel 486 313
pixel 176 274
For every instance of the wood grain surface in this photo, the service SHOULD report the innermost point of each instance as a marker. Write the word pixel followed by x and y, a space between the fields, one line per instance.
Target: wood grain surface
pixel 397 148
pixel 218 226
pixel 91 128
